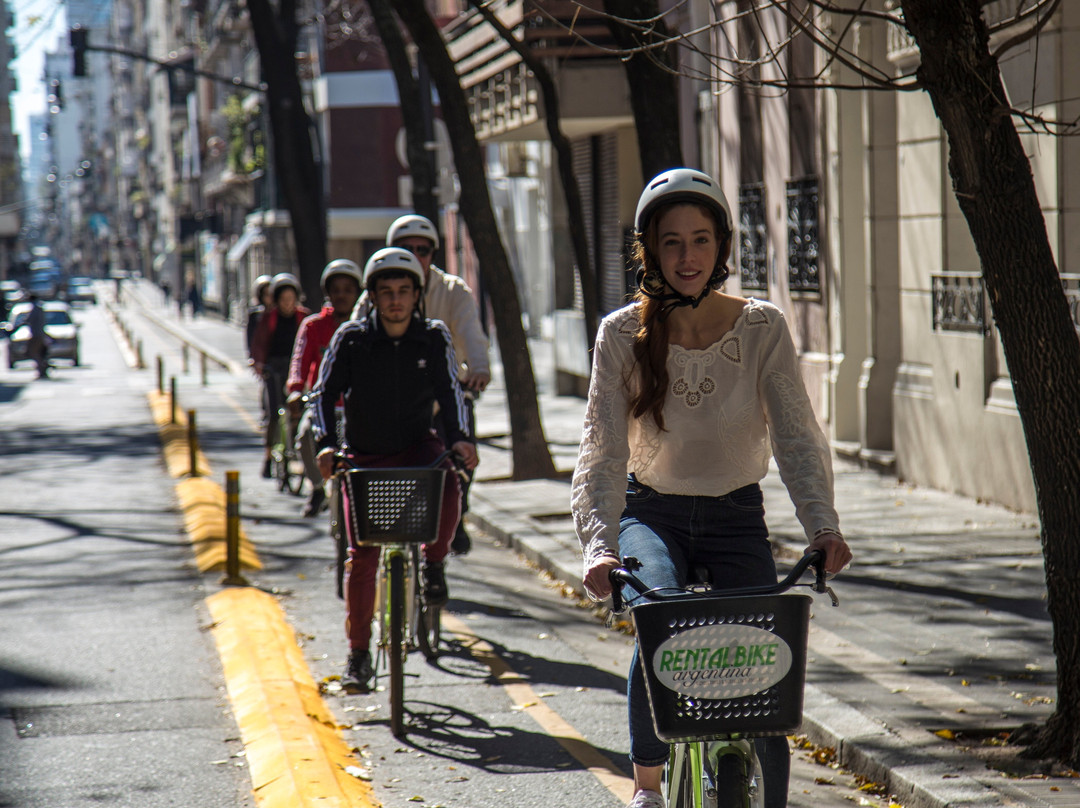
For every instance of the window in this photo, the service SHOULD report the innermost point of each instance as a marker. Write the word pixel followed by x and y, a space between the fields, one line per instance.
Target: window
pixel 753 238
pixel 802 226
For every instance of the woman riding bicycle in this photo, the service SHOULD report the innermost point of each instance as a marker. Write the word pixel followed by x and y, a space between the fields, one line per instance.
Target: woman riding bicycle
pixel 691 390
pixel 391 366
pixel 272 347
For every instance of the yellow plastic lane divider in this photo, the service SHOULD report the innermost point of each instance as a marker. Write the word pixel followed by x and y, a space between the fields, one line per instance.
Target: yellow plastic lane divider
pixel 529 701
pixel 202 501
pixel 294 749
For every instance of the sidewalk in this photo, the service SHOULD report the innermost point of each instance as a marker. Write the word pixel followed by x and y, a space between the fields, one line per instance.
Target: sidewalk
pixel 942 626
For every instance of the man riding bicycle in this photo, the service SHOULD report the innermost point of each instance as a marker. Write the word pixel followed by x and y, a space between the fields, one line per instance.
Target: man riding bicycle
pixel 341 280
pixel 448 298
pixel 391 366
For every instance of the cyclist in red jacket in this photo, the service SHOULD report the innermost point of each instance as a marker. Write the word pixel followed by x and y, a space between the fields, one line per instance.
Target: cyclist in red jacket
pixel 341 281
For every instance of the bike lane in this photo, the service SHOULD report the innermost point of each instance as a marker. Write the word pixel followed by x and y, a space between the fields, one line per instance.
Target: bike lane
pixel 110 689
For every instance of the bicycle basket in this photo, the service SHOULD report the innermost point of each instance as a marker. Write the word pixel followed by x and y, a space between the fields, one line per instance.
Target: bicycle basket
pixel 393 505
pixel 724 666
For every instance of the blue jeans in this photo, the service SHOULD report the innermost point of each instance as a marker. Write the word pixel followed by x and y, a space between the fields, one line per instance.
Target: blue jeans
pixel 670 535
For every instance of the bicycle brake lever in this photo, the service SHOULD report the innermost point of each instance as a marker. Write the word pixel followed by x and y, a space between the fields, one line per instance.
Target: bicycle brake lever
pixel 828 590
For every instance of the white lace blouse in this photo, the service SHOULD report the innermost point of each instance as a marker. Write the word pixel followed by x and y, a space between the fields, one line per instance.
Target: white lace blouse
pixel 727 406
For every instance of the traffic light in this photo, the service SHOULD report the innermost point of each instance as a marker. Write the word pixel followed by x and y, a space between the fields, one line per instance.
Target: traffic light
pixel 78 50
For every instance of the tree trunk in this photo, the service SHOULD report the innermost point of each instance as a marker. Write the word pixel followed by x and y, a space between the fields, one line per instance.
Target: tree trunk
pixel 994 186
pixel 293 139
pixel 531 456
pixel 417 131
pixel 575 212
pixel 654 93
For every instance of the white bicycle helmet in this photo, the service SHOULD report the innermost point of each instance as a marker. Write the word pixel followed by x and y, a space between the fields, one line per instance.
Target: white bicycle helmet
pixel 341 266
pixel 412 224
pixel 672 187
pixel 392 258
pixel 282 280
pixel 259 284
pixel 681 185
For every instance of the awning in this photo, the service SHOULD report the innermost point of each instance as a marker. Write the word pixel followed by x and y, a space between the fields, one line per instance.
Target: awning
pixel 238 250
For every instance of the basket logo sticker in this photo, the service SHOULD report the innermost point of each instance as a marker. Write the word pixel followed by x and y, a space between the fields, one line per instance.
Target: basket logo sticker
pixel 722 661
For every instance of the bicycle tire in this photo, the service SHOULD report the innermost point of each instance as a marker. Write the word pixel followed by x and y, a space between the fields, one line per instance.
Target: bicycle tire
pixel 731 780
pixel 426 620
pixel 289 477
pixel 395 651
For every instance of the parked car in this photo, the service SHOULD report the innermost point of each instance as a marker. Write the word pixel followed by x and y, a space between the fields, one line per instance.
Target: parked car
pixel 80 290
pixel 62 331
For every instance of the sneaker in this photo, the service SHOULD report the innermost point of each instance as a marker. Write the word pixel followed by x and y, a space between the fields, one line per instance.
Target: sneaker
pixel 435 591
pixel 268 469
pixel 647 799
pixel 358 672
pixel 315 502
pixel 462 543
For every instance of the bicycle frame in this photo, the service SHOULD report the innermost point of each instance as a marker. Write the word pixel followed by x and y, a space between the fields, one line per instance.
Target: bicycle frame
pixel 716 769
pixel 401 509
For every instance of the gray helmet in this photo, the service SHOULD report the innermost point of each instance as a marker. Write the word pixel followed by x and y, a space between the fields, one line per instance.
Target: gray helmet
pixel 682 185
pixel 392 258
pixel 259 284
pixel 412 224
pixel 341 266
pixel 283 280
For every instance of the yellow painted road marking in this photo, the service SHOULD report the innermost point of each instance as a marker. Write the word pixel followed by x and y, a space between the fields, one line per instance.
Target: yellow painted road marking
pixel 521 693
pixel 202 501
pixel 243 413
pixel 294 749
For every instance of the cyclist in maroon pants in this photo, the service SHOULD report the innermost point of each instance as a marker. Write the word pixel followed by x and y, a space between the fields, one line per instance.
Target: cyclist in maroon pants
pixel 391 367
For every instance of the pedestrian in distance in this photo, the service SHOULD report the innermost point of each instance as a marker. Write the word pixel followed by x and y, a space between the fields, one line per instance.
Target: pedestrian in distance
pixel 391 425
pixel 271 351
pixel 692 389
pixel 448 298
pixel 341 282
pixel 38 346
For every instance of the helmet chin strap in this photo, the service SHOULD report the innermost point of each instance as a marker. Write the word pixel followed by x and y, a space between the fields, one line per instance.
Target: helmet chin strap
pixel 671 299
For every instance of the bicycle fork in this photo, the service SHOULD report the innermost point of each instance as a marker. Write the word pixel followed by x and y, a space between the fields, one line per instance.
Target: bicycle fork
pixel 732 774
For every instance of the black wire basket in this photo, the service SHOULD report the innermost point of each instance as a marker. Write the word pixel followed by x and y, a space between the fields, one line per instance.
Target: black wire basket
pixel 393 505
pixel 718 667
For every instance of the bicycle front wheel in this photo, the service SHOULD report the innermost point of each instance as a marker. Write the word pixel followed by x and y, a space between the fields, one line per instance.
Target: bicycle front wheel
pixel 731 779
pixel 395 651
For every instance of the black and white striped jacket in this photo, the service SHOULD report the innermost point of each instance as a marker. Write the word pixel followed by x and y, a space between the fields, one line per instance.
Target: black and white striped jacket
pixel 390 387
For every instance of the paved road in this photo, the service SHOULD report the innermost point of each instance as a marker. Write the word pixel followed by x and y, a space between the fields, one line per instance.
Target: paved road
pixel 109 689
pixel 942 623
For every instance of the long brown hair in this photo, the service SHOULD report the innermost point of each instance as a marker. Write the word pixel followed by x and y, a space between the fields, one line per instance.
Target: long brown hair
pixel 651 339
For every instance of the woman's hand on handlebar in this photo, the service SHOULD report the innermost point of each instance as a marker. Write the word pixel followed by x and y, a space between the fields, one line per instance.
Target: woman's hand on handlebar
pixel 467 452
pixel 837 553
pixel 598 577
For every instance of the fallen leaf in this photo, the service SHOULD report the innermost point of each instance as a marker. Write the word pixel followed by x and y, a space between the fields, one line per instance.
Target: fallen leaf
pixel 947 734
pixel 358 773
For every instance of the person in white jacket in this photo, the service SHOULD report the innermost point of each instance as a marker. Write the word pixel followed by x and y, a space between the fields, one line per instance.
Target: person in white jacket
pixel 447 298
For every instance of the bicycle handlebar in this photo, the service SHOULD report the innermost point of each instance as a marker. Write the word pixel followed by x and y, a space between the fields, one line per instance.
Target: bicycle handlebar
pixel 344 462
pixel 816 558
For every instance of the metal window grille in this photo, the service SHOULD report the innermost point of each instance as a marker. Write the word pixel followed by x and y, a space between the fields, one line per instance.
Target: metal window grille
pixel 959 303
pixel 803 233
pixel 753 238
